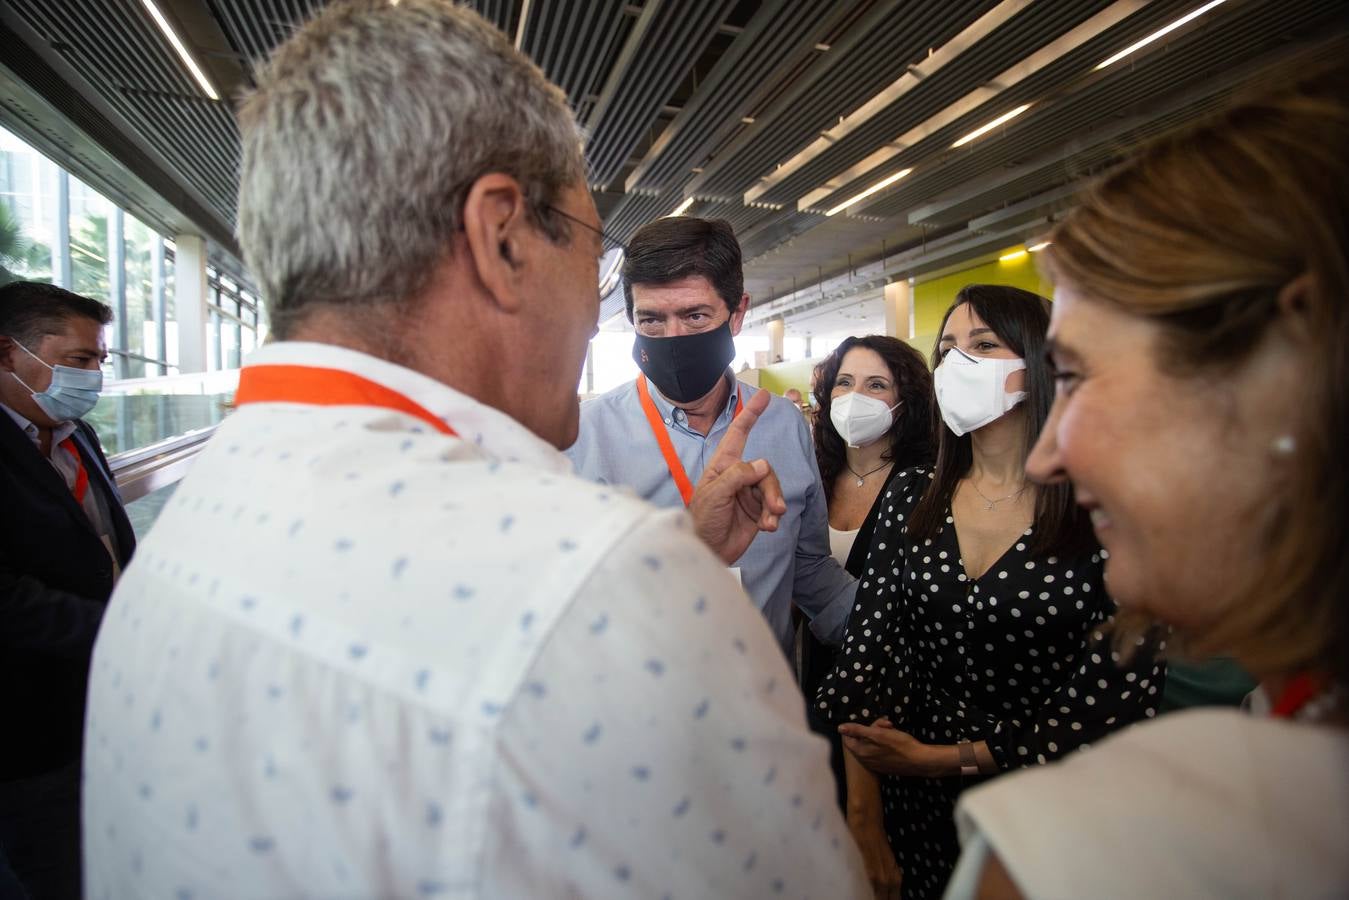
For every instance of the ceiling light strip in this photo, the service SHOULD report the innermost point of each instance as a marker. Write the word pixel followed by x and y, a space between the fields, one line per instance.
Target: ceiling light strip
pixel 681 208
pixel 172 37
pixel 980 29
pixel 985 129
pixel 878 186
pixel 1066 43
pixel 1158 34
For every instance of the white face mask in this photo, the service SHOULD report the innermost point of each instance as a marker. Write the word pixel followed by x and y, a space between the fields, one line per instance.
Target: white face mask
pixel 859 419
pixel 972 392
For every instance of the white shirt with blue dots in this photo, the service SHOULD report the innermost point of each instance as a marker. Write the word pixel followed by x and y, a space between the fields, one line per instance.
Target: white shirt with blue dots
pixel 356 657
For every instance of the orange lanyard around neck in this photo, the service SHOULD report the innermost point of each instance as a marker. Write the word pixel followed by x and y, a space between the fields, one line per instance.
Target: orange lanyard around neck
pixel 318 386
pixel 662 435
pixel 81 485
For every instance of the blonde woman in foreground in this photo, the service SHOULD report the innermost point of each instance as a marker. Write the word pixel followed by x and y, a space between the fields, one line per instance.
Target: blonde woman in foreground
pixel 1201 340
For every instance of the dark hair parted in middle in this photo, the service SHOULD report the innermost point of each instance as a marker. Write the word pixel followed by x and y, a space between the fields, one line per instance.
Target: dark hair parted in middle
pixel 910 435
pixel 1021 320
pixel 680 247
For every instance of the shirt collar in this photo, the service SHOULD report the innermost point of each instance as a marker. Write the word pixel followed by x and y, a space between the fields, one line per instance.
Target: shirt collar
pixel 666 408
pixel 62 431
pixel 498 435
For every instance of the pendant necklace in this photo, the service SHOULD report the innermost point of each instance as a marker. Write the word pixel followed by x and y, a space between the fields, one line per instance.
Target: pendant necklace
pixel 990 503
pixel 863 477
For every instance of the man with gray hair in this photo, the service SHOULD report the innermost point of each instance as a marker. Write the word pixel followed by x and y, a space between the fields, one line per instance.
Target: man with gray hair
pixel 382 642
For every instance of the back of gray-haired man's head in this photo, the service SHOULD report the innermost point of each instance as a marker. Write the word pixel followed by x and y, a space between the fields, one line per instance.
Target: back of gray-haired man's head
pixel 362 138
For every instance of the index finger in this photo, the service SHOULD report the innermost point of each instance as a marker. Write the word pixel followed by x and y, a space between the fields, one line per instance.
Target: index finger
pixel 732 447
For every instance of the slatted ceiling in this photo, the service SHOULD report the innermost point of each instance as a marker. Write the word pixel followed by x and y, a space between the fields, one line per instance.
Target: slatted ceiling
pixel 635 210
pixel 255 28
pixel 501 13
pixel 1064 118
pixel 1123 90
pixel 741 218
pixel 675 37
pixel 140 77
pixel 556 29
pixel 777 227
pixel 1017 38
pixel 767 71
pixel 866 60
pixel 780 33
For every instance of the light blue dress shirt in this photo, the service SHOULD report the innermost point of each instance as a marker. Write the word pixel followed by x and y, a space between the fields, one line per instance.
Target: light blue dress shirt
pixel 616 446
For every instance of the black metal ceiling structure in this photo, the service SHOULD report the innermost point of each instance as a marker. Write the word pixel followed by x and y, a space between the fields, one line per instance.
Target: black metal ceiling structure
pixel 774 114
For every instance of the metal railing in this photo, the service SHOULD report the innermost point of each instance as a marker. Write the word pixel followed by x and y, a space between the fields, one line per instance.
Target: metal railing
pixel 147 469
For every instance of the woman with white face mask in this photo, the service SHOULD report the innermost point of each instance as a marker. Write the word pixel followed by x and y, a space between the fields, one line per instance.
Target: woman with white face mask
pixel 874 416
pixel 975 646
pixel 874 413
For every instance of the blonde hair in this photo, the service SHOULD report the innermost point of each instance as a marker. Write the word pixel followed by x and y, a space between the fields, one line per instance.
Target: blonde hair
pixel 362 138
pixel 1200 232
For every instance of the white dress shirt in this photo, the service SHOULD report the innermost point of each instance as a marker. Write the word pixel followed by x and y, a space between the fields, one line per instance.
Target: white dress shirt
pixel 356 657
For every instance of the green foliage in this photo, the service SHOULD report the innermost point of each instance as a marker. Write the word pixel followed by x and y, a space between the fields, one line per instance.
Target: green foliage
pixel 21 257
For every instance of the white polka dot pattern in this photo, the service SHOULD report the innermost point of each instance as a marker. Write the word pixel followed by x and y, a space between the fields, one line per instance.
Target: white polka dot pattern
pixel 1009 658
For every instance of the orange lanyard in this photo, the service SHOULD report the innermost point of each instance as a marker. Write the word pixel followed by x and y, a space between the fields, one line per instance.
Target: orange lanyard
pixel 681 478
pixel 318 386
pixel 81 486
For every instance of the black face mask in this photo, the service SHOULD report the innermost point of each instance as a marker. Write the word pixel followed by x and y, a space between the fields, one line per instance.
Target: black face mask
pixel 686 367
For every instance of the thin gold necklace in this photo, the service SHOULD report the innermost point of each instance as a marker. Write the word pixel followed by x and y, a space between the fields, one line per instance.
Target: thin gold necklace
pixel 863 477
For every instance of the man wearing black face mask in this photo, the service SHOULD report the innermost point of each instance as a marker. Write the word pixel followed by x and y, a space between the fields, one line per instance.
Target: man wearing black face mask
pixel 684 288
pixel 63 537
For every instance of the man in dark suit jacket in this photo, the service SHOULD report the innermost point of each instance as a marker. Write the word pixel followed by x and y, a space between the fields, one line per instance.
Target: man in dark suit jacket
pixel 64 537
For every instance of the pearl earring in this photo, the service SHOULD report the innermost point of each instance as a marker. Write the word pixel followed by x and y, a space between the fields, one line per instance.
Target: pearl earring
pixel 1283 445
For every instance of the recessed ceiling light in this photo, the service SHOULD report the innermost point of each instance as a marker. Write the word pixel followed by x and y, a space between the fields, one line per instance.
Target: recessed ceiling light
pixel 681 208
pixel 978 132
pixel 878 186
pixel 180 49
pixel 1159 33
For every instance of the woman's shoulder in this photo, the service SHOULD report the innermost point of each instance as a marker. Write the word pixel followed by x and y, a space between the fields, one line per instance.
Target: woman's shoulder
pixel 1222 791
pixel 907 484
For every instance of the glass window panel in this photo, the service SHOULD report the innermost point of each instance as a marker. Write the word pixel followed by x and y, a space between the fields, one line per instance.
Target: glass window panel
pixel 28 210
pixel 137 368
pixel 229 343
pixel 89 216
pixel 213 341
pixel 141 328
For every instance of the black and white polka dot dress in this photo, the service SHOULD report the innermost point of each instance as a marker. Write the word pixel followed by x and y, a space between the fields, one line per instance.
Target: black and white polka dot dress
pixel 1014 658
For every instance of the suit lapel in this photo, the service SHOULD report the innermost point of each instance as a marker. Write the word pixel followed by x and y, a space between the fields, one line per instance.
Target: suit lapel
pixel 21 453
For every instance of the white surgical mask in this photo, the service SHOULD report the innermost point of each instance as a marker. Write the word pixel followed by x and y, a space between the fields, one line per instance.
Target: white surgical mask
pixel 972 392
pixel 860 419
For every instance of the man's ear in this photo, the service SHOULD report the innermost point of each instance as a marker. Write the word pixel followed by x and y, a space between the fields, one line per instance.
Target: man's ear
pixel 496 221
pixel 738 316
pixel 7 350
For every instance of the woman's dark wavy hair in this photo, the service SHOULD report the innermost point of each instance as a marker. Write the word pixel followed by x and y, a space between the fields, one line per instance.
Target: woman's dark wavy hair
pixel 1020 319
pixel 910 434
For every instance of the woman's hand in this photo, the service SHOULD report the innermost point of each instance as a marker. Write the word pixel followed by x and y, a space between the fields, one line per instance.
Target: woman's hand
pixel 883 749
